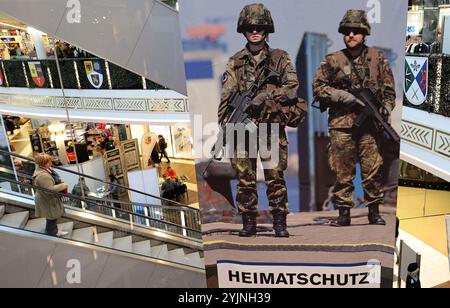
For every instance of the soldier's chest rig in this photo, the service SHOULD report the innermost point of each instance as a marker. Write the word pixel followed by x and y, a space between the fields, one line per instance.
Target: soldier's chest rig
pixel 355 74
pixel 247 70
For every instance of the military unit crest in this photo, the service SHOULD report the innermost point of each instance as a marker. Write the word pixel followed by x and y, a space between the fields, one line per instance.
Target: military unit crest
pixel 416 79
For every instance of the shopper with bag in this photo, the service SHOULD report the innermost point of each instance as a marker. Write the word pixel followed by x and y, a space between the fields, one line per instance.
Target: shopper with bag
pixel 49 205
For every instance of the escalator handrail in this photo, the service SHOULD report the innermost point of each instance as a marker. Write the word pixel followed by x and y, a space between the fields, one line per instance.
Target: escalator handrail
pixel 97 247
pixel 79 198
pixel 177 204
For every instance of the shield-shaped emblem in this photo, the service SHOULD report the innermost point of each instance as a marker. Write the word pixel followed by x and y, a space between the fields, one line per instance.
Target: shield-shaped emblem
pixel 416 79
pixel 37 74
pixel 94 73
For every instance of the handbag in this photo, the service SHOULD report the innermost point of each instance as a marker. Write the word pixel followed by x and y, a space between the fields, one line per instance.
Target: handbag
pixel 57 180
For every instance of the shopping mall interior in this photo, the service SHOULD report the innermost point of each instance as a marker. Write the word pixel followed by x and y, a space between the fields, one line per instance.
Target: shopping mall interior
pixel 21 45
pixel 99 114
pixel 424 193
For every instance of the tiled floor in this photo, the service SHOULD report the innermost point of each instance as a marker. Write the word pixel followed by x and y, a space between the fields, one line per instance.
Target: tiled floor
pixel 444 285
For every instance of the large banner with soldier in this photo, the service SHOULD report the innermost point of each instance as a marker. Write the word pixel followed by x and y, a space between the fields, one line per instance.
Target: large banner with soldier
pixel 303 166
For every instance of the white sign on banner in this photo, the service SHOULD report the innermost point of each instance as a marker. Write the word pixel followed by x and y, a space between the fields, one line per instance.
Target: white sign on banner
pixel 234 274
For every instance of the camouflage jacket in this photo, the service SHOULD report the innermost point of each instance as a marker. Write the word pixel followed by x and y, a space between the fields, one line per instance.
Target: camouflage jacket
pixel 370 70
pixel 283 105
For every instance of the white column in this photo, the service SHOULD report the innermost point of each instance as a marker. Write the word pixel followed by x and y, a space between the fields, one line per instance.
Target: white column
pixel 38 42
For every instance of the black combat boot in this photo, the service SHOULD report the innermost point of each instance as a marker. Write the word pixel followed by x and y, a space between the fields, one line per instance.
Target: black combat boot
pixel 249 222
pixel 344 219
pixel 280 224
pixel 374 216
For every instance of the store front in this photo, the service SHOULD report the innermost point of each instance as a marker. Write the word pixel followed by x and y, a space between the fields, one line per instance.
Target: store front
pixel 178 139
pixel 101 150
pixel 429 26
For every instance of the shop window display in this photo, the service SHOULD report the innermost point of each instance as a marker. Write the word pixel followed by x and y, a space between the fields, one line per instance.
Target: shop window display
pixel 182 140
pixel 165 131
pixel 178 138
pixel 42 142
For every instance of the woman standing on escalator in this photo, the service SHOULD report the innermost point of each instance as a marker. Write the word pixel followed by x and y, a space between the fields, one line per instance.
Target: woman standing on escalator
pixel 48 204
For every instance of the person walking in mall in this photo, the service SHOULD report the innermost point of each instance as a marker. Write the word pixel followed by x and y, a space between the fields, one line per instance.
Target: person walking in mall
pixel 154 156
pixel 162 148
pixel 48 205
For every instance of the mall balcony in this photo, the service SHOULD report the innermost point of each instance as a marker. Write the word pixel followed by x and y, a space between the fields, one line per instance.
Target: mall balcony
pixel 425 127
pixel 116 90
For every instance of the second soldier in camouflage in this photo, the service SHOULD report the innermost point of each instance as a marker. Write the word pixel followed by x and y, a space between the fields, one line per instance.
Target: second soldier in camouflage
pixel 357 66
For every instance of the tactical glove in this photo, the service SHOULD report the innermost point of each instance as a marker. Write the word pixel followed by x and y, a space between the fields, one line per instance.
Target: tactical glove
pixel 341 96
pixel 259 100
pixel 257 105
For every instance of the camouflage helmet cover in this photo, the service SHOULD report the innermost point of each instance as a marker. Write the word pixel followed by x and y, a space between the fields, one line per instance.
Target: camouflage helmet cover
pixel 355 19
pixel 255 15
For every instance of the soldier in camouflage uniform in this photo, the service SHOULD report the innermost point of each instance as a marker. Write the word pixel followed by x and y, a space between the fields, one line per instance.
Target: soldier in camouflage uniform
pixel 276 102
pixel 357 66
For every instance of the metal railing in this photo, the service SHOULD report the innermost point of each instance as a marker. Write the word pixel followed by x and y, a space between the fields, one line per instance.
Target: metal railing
pixel 119 232
pixel 161 217
pixel 75 75
pixel 170 216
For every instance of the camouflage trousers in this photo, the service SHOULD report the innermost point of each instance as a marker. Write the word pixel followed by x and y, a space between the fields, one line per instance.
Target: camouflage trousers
pixel 347 147
pixel 246 166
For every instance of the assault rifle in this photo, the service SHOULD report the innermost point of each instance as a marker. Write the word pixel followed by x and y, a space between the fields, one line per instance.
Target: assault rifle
pixel 238 113
pixel 371 111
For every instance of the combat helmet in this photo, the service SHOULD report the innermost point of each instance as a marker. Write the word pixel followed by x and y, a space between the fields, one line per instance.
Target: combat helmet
pixel 355 19
pixel 255 15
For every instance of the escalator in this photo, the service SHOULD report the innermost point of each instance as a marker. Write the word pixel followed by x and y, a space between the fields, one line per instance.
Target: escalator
pixel 158 248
